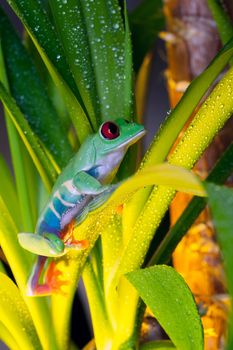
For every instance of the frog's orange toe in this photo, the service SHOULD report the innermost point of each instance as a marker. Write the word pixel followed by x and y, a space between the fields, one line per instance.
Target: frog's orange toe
pixel 53 280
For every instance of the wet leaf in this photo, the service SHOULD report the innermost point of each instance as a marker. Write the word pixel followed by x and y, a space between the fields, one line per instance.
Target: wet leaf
pixel 172 303
pixel 31 94
pixel 219 174
pixel 42 31
pixel 97 56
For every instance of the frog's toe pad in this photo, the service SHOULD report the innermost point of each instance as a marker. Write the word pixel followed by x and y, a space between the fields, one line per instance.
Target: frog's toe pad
pixel 37 244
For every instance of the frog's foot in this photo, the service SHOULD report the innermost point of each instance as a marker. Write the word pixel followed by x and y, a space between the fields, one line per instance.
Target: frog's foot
pixel 51 281
pixel 70 242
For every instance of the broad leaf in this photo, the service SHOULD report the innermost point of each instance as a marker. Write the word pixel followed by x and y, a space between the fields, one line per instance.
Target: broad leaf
pixel 164 174
pixel 172 303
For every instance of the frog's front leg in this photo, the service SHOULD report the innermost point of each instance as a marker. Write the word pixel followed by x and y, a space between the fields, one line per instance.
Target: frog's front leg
pixel 50 276
pixel 49 244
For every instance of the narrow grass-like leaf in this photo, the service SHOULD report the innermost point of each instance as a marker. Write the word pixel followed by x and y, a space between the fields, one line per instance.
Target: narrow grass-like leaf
pixel 70 22
pixel 219 174
pixel 7 191
pixel 157 345
pixel 102 328
pixel 41 30
pixel 42 164
pixel 20 162
pixel 220 200
pixel 146 21
pixel 36 20
pixel 34 101
pixel 20 264
pixel 8 338
pixel 172 303
pixel 15 315
pixel 97 56
pixel 222 19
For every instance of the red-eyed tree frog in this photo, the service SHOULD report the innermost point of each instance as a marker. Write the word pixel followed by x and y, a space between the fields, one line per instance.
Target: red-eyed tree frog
pixel 80 188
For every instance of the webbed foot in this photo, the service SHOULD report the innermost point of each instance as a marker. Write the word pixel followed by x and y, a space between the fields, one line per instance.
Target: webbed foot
pixel 52 281
pixel 70 242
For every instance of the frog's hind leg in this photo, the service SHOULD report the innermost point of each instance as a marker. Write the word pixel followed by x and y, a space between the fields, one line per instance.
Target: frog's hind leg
pixel 50 276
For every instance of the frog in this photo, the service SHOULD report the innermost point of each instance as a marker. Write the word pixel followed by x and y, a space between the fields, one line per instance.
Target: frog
pixel 82 186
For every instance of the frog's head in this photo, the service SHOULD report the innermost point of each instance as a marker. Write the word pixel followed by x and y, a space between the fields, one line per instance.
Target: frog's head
pixel 118 135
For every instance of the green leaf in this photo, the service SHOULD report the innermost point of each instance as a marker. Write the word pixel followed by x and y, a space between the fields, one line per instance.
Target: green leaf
pixel 222 19
pixel 41 30
pixel 40 159
pixel 22 166
pixel 164 174
pixel 97 55
pixel 157 345
pixel 219 174
pixel 7 191
pixel 97 308
pixel 34 101
pixel 172 303
pixel 15 315
pixel 146 21
pixel 220 200
pixel 35 18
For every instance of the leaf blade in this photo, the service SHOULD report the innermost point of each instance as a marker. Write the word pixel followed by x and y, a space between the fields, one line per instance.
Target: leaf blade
pixel 172 303
pixel 15 316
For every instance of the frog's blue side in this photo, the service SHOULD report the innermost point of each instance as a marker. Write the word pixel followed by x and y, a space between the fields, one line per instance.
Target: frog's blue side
pixel 65 201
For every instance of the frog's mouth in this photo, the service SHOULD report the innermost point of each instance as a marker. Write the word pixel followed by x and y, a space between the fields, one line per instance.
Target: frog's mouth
pixel 132 140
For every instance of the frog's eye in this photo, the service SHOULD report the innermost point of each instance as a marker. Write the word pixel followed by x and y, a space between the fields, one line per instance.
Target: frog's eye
pixel 110 131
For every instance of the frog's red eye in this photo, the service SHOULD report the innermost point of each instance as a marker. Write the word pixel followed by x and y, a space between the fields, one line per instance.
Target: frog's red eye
pixel 110 130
